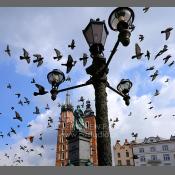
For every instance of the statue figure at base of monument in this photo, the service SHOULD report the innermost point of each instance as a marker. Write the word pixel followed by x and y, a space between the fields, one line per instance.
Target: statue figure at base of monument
pixel 78 119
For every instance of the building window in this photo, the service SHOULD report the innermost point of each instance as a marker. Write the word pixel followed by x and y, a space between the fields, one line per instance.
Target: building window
pixel 128 162
pixel 62 156
pixel 165 147
pixel 152 149
pixel 62 147
pixel 66 155
pixel 141 150
pixel 87 125
pixel 118 154
pixel 142 158
pixel 119 163
pixel 62 163
pixel 64 125
pixel 166 157
pixel 153 157
pixel 127 154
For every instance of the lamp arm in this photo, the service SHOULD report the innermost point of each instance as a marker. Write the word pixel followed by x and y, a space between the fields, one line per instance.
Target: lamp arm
pixel 77 86
pixel 108 85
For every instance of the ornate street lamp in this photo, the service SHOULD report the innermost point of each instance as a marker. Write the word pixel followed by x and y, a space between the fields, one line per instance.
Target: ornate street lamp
pixel 95 34
pixel 55 78
pixel 121 20
pixel 124 87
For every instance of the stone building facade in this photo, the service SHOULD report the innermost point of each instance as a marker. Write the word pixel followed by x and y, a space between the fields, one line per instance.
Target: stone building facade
pixel 155 151
pixel 123 155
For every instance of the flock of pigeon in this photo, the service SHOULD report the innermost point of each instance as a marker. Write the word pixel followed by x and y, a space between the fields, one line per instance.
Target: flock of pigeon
pixel 138 55
pixel 39 59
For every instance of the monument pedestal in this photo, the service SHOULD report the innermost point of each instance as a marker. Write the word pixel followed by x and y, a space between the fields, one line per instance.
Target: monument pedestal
pixel 79 148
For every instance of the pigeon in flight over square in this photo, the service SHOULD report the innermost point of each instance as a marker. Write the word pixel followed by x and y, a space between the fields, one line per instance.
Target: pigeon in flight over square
pixel 150 68
pixel 156 93
pixel 116 120
pixel 135 135
pixel 84 59
pixel 41 90
pixel 151 107
pixel 70 63
pixel 153 76
pixel 30 138
pixel 9 86
pixel 130 114
pixel 47 107
pixel 72 45
pixel 141 38
pixel 8 51
pixel 12 108
pixel 18 94
pixel 145 9
pixel 20 102
pixel 29 125
pixel 33 81
pixel 171 64
pixel 138 53
pixel 36 110
pixel 150 102
pixel 39 59
pixel 58 55
pixel 165 48
pixel 18 116
pixel 25 56
pixel 166 80
pixel 132 27
pixel 167 32
pixel 166 58
pixel 81 99
pixel 68 78
pixel 26 100
pixel 13 131
pixel 147 54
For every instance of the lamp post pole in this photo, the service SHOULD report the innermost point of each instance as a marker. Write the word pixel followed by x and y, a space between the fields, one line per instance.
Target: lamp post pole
pixel 99 82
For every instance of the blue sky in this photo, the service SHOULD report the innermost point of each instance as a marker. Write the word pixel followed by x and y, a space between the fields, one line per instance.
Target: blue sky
pixel 40 30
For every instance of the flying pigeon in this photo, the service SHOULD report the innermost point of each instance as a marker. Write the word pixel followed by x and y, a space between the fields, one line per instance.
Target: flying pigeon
pixel 166 80
pixel 167 32
pixel 20 102
pixel 26 100
pixel 47 107
pixel 70 63
pixel 36 110
pixel 84 59
pixel 165 48
pixel 171 64
pixel 72 45
pixel 150 68
pixel 145 9
pixel 151 107
pixel 39 59
pixel 132 27
pixel 9 86
pixel 141 38
pixel 8 51
pixel 130 114
pixel 153 76
pixel 18 95
pixel 68 78
pixel 13 131
pixel 147 54
pixel 156 93
pixel 138 53
pixel 58 55
pixel 41 90
pixel 18 117
pixel 33 81
pixel 25 56
pixel 166 58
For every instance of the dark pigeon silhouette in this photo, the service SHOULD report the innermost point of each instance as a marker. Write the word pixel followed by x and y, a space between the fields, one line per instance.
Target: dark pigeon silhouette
pixel 8 51
pixel 167 32
pixel 39 59
pixel 41 90
pixel 25 56
pixel 58 55
pixel 72 45
pixel 84 59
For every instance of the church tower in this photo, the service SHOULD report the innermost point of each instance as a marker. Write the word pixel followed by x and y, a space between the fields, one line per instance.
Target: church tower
pixel 64 129
pixel 90 123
